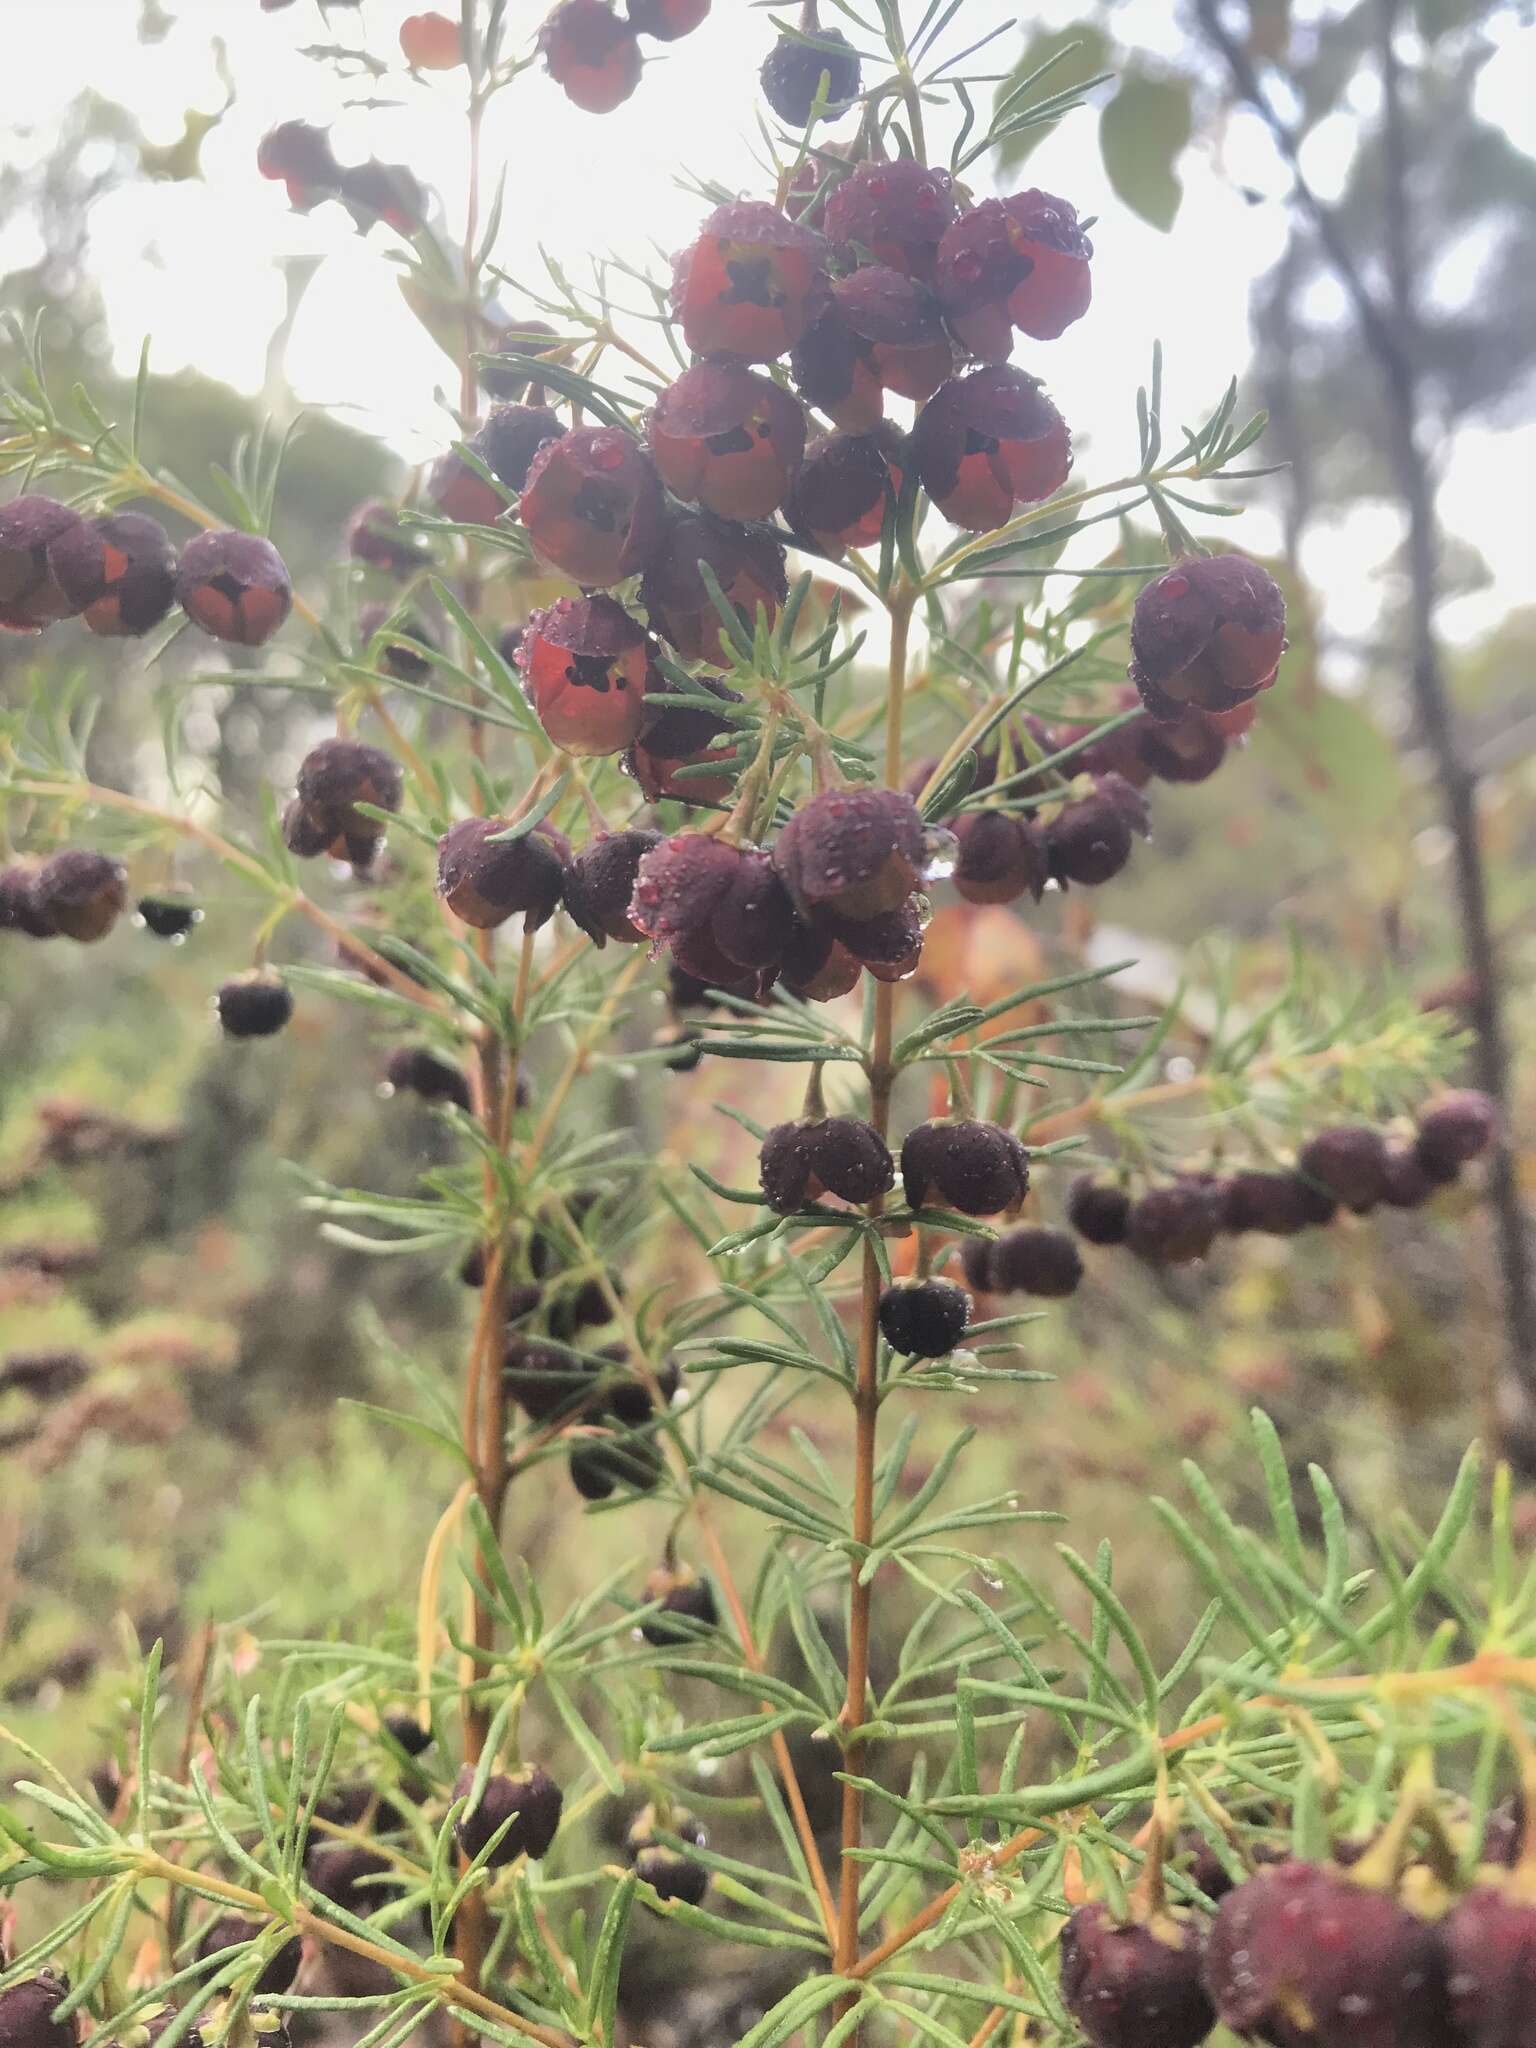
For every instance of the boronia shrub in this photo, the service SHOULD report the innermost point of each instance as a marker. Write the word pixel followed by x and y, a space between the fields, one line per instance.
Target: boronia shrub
pixel 697 665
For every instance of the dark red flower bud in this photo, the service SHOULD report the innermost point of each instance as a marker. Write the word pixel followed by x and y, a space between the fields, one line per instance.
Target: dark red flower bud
pixel 834 370
pixel 431 42
pixel 1036 1260
pixel 989 441
pixel 981 260
pixel 749 567
pixel 976 1263
pixel 590 54
pixel 750 285
pixel 1349 1162
pixel 120 571
pixel 235 586
pixel 404 1727
pixel 1172 1225
pixel 593 505
pixel 402 658
pixel 667 20
pixel 684 1594
pixel 678 736
pixel 794 68
pixel 728 439
pixel 1135 1986
pixel 333 779
pixel 307 836
pixel 166 917
pixel 1406 1185
pixel 1302 1955
pixel 299 155
pixel 672 1876
pixel 253 1005
pixel 80 894
pixel 846 482
pixel 26 2014
pixel 545 1379
pixel 462 494
pixel 856 851
pixel 896 211
pixel 531 1802
pixel 341 1872
pixel 1056 290
pixel 20 911
pixel 1002 857
pixel 1190 751
pixel 413 1070
pixel 1489 1943
pixel 889 944
pixel 485 883
pixel 1207 635
pixel 1275 1204
pixel 586 667
pixel 816 968
pixel 754 920
pixel 924 1318
pixel 520 338
pixel 231 1930
pixel 815 1156
pixel 510 437
pixel 1089 840
pixel 599 1469
pixel 679 885
pixel 31 594
pixel 600 881
pixel 961 1163
pixel 1454 1130
pixel 809 188
pixel 1099 1210
pixel 899 319
pixel 375 536
pixel 385 192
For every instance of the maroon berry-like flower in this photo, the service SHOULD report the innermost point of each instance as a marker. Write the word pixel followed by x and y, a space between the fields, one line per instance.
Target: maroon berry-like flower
pixel 531 1802
pixel 889 944
pixel 678 736
pixel 1002 857
pixel 510 437
pixel 667 20
pixel 1036 1260
pixel 679 884
pixel 375 536
pixel 750 285
pixel 964 1164
pixel 235 586
pixel 389 193
pixel 684 1595
pixel 339 774
pixel 404 1727
pixel 431 42
pixel 26 2014
pixel 1056 290
pixel 1208 635
pixel 31 593
pixel 924 1318
pixel 1406 1184
pixel 1489 1943
pixel 600 881
pixel 598 1470
pixel 461 493
pixel 1349 1162
pixel 299 156
pixel 232 1930
pixel 341 1872
pixel 545 1379
pixel 20 910
pixel 81 894
pixel 593 505
pixel 845 484
pixel 1273 1204
pixel 794 68
pixel 1190 751
pixel 1172 1225
pixel 897 212
pixel 1303 1956
pixel 521 338
pixel 1454 1131
pixel 672 1876
pixel 484 879
pixel 816 968
pixel 834 370
pixel 165 917
pixel 1099 1210
pixel 754 921
pixel 1132 1985
pixel 120 571
pixel 981 260
pixel 590 54
pixel 899 321
pixel 749 568
pixel 402 658
pixel 413 1070
pixel 586 667
pixel 1089 840
pixel 729 439
pixel 857 852
pixel 815 1156
pixel 256 1005
pixel 989 441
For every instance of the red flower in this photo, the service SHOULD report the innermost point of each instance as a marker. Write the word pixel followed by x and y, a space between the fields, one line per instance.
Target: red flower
pixel 1057 290
pixel 587 666
pixel 511 436
pixel 843 488
pixel 677 736
pixel 899 319
pixel 835 370
pixel 591 54
pixel 728 439
pixel 1209 635
pixel 431 42
pixel 750 285
pixel 235 586
pixel 749 567
pixel 461 493
pixel 896 211
pixel 121 570
pixel 32 529
pixel 667 20
pixel 299 155
pixel 593 505
pixel 857 852
pixel 987 442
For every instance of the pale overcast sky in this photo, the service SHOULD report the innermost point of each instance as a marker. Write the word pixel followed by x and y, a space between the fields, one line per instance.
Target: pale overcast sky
pixel 192 263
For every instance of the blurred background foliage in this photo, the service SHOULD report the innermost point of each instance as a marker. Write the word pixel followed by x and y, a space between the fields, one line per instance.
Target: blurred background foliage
pixel 203 1467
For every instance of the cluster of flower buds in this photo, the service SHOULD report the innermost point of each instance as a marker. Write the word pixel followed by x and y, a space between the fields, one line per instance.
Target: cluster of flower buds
pixel 120 574
pixel 593 54
pixel 298 156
